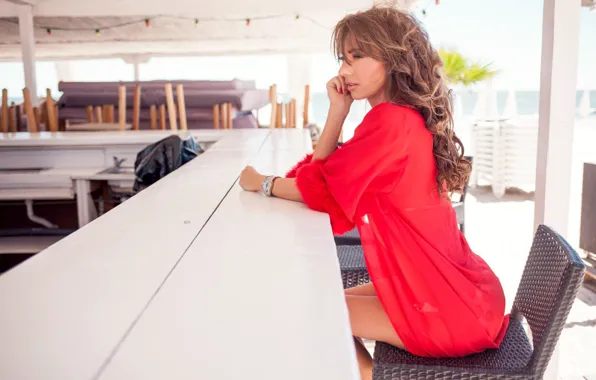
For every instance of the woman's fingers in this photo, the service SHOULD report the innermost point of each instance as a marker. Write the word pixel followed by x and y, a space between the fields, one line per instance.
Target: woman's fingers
pixel 343 85
pixel 338 85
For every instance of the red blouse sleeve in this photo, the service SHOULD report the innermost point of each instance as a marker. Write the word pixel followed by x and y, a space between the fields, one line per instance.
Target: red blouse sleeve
pixel 336 185
pixel 305 160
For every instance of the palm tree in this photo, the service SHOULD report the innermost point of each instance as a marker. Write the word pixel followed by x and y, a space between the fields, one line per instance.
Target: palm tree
pixel 459 70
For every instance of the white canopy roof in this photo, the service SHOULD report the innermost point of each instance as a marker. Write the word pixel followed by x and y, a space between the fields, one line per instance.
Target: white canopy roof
pixel 221 29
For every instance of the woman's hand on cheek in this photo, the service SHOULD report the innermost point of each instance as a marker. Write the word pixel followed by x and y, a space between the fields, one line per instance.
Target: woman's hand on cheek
pixel 339 97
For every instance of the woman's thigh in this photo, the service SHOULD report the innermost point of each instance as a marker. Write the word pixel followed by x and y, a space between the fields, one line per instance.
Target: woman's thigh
pixel 362 290
pixel 369 320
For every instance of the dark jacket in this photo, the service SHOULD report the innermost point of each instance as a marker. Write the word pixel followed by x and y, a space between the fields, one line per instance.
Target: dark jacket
pixel 161 158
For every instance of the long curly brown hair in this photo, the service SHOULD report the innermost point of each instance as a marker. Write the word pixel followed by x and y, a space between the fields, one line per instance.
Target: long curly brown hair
pixel 415 80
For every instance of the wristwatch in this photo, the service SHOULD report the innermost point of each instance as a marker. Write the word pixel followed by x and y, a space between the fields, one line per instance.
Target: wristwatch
pixel 268 185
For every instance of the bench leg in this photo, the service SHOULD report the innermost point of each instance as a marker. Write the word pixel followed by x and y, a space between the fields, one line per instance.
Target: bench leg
pixel 85 208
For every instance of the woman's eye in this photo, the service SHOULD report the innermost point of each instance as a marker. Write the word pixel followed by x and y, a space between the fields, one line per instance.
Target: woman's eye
pixel 357 56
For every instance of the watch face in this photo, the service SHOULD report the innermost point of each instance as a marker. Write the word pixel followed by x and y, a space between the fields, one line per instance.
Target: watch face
pixel 266 185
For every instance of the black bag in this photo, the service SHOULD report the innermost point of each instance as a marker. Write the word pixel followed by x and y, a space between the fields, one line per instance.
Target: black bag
pixel 161 158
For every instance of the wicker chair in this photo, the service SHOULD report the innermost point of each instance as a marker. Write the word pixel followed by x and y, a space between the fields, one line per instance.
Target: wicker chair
pixel 351 237
pixel 460 206
pixel 352 265
pixel 550 282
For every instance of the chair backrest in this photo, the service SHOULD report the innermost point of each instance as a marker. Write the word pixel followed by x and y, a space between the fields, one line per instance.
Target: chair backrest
pixel 551 279
pixel 465 191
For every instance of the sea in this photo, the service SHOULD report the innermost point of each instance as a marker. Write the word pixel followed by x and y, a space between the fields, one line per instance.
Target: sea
pixel 527 103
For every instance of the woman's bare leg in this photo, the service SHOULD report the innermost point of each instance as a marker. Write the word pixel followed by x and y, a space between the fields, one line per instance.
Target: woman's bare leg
pixel 369 321
pixel 365 361
pixel 362 290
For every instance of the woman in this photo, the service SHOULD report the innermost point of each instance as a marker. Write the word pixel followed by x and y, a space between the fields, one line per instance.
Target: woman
pixel 430 294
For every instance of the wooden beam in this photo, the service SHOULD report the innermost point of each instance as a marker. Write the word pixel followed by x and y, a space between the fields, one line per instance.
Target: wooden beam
pixel 181 107
pixel 216 116
pixel 11 119
pixel 43 113
pixel 162 117
pixel 171 106
pixel 306 103
pixel 224 112
pixel 274 108
pixel 111 111
pixel 90 114
pixel 122 107
pixel 153 117
pixel 288 115
pixel 279 114
pixel 4 112
pixel 32 126
pixel 293 113
pixel 229 115
pixel 52 123
pixel 98 115
pixel 105 111
pixel 136 110
pixel 37 117
pixel 57 117
pixel 19 118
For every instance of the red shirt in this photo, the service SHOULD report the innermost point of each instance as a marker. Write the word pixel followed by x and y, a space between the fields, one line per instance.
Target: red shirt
pixel 442 299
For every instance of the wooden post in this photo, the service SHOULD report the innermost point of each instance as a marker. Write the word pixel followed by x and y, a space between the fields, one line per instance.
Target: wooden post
pixel 224 112
pixel 171 107
pixel 98 115
pixel 293 113
pixel 216 116
pixel 57 117
pixel 43 113
pixel 274 107
pixel 136 110
pixel 122 107
pixel 11 119
pixel 162 117
pixel 111 110
pixel 288 115
pixel 306 101
pixel 181 107
pixel 19 118
pixel 37 117
pixel 4 121
pixel 90 114
pixel 153 117
pixel 31 122
pixel 229 115
pixel 104 113
pixel 51 112
pixel 279 115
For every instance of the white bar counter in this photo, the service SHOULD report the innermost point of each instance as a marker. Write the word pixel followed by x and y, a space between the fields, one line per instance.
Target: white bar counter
pixel 191 278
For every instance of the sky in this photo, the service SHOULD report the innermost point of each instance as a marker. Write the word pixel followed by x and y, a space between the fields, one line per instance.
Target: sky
pixel 507 34
pixel 504 33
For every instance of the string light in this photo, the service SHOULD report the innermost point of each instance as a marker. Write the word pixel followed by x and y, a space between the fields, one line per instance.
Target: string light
pixel 147 20
pixel 424 9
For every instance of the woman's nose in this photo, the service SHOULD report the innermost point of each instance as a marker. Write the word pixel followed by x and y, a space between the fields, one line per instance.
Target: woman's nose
pixel 345 69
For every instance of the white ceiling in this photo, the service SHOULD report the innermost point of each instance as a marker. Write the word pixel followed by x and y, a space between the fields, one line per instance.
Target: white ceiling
pixel 221 28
